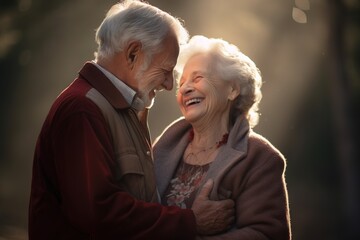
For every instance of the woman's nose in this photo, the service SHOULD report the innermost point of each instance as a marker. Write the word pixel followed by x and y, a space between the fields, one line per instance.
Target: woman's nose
pixel 186 88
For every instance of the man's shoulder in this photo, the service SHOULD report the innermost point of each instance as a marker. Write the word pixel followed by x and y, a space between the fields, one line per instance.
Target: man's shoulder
pixel 73 99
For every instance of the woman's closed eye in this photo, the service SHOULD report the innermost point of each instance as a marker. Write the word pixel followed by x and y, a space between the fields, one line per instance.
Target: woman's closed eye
pixel 197 78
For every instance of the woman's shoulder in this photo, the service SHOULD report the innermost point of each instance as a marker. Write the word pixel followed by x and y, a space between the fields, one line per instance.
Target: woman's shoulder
pixel 174 131
pixel 261 146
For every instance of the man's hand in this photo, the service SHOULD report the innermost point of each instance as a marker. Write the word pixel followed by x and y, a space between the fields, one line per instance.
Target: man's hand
pixel 212 216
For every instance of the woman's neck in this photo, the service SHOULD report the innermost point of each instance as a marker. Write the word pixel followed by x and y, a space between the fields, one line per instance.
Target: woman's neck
pixel 204 145
pixel 207 139
pixel 206 134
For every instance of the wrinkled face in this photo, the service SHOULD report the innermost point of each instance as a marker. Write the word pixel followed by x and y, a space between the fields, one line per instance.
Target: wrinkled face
pixel 202 97
pixel 159 73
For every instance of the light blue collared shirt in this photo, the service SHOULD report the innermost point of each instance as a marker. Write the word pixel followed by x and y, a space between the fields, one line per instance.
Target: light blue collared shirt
pixel 128 93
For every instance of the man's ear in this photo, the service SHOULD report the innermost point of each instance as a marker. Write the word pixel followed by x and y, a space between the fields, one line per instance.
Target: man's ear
pixel 234 93
pixel 132 53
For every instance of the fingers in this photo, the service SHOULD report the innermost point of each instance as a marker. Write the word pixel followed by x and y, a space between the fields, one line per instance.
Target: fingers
pixel 226 215
pixel 225 221
pixel 228 218
pixel 227 204
pixel 206 189
pixel 212 216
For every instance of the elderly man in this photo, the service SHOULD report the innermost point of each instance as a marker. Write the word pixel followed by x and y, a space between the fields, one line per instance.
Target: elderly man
pixel 93 172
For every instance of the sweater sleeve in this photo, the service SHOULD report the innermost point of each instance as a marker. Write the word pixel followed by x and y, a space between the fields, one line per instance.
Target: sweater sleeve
pixel 90 198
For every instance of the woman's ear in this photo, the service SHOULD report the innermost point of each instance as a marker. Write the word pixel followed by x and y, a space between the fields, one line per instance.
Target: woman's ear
pixel 132 53
pixel 234 93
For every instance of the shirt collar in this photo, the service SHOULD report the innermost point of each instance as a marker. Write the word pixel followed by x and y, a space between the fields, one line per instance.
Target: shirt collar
pixel 129 94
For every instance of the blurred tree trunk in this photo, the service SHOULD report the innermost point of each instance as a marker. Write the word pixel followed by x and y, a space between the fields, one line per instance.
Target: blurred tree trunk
pixel 344 125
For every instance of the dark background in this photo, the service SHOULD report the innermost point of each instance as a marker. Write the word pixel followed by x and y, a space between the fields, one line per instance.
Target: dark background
pixel 308 52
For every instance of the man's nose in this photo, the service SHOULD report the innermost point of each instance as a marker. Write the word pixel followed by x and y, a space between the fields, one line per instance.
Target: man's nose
pixel 169 82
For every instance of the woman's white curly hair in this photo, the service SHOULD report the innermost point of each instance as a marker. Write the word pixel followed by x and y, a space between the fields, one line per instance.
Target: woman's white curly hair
pixel 228 64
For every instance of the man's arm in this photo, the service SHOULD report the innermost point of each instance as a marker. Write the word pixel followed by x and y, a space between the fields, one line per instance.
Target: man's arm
pixel 91 199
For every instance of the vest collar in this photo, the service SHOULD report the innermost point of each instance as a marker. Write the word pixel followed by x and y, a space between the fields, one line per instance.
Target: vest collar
pixel 101 83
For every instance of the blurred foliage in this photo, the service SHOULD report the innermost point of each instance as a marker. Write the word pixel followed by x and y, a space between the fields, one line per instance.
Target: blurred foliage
pixel 314 176
pixel 16 19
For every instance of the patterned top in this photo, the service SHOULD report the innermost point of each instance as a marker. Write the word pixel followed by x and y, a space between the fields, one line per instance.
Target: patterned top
pixel 183 187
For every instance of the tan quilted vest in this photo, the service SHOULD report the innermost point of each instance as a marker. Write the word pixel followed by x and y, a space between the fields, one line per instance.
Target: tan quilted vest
pixel 133 153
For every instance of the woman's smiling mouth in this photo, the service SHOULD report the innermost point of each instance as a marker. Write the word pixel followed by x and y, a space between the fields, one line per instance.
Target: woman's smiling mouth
pixel 193 101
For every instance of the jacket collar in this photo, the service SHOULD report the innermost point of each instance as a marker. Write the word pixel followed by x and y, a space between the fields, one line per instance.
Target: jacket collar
pixel 101 83
pixel 175 139
pixel 229 155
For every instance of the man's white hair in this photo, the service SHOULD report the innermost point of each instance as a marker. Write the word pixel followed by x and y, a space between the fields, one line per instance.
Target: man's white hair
pixel 133 20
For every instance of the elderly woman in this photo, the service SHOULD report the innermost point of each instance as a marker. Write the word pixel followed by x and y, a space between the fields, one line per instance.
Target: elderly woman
pixel 218 94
